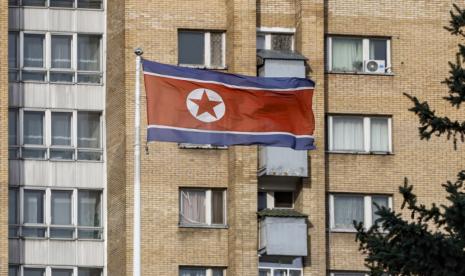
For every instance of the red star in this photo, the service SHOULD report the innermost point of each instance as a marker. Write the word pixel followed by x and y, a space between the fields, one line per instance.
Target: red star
pixel 205 105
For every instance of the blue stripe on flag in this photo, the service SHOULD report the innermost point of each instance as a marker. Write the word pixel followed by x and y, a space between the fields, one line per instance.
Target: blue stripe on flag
pixel 227 139
pixel 226 78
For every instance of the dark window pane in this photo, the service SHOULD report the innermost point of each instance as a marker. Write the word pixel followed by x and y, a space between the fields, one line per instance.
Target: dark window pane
pixel 89 52
pixel 217 207
pixel 33 232
pixel 61 233
pixel 12 127
pixel 217 272
pixel 88 130
pixel 90 272
pixel 61 77
pixel 62 154
pixel 13 270
pixel 191 47
pixel 13 206
pixel 62 272
pixel 261 41
pixel 261 201
pixel 62 3
pixel 89 78
pixel 281 42
pixel 34 271
pixel 33 50
pixel 378 49
pixel 34 153
pixel 33 128
pixel 89 155
pixel 61 51
pixel 13 3
pixel 33 76
pixel 90 234
pixel 38 3
pixel 283 199
pixel 61 207
pixel 33 206
pixel 90 4
pixel 89 208
pixel 381 201
pixel 12 50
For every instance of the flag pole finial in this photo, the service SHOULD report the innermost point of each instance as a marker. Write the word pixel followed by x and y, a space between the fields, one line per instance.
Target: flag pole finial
pixel 138 51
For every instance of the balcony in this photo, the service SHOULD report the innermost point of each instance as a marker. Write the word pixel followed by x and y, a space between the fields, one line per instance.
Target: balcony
pixel 282 232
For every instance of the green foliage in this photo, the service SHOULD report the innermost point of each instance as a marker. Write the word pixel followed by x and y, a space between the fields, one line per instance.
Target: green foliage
pixel 432 242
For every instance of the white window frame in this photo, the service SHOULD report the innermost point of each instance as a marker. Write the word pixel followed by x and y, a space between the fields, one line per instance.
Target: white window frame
pixel 47 225
pixel 44 132
pixel 365 53
pixel 48 269
pixel 366 134
pixel 208 270
pixel 47 55
pixel 208 207
pixel 269 31
pixel 272 269
pixel 270 201
pixel 47 5
pixel 207 50
pixel 367 209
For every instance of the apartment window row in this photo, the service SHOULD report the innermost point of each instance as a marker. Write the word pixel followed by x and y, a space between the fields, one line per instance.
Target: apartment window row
pixel 55 213
pixel 55 135
pixel 358 54
pixel 23 270
pixel 202 271
pixel 359 134
pixel 202 207
pixel 55 57
pixel 202 48
pixel 346 208
pixel 264 271
pixel 80 4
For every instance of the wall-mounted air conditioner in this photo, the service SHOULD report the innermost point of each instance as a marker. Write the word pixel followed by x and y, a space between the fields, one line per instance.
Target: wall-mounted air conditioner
pixel 375 66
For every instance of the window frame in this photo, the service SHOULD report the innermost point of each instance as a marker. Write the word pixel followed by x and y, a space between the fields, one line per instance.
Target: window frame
pixel 23 68
pixel 365 54
pixel 19 3
pixel 366 134
pixel 208 208
pixel 367 210
pixel 207 49
pixel 270 198
pixel 267 32
pixel 288 269
pixel 22 209
pixel 208 270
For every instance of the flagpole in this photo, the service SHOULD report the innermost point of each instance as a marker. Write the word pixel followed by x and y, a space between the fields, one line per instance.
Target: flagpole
pixel 136 233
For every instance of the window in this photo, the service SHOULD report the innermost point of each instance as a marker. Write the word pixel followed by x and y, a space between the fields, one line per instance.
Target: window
pixel 201 48
pixel 62 272
pixel 34 213
pixel 202 207
pixel 275 199
pixel 282 40
pixel 81 4
pixel 345 208
pixel 280 272
pixel 89 214
pixel 351 54
pixel 201 271
pixel 27 271
pixel 63 64
pixel 359 134
pixel 89 272
pixel 57 135
pixel 56 221
pixel 13 270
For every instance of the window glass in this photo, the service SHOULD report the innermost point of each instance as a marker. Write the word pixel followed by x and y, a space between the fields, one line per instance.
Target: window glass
pixel 89 52
pixel 217 207
pixel 295 273
pixel 191 47
pixel 90 272
pixel 217 272
pixel 281 42
pixel 90 4
pixel 347 54
pixel 33 129
pixel 381 201
pixel 89 208
pixel 12 127
pixel 192 272
pixel 379 134
pixel 192 207
pixel 61 207
pixel 36 3
pixel 62 3
pixel 280 272
pixel 62 272
pixel 13 270
pixel 13 206
pixel 348 134
pixel 283 199
pixel 378 49
pixel 88 130
pixel 12 50
pixel 61 128
pixel 61 51
pixel 261 201
pixel 34 271
pixel 261 41
pixel 216 49
pixel 34 50
pixel 264 272
pixel 348 208
pixel 34 206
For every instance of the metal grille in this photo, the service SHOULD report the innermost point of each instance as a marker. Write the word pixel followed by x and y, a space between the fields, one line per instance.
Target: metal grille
pixel 216 49
pixel 281 42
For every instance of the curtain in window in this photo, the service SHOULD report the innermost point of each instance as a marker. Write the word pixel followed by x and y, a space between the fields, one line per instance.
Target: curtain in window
pixel 33 50
pixel 347 54
pixel 379 134
pixel 62 272
pixel 381 201
pixel 193 207
pixel 88 130
pixel 347 208
pixel 12 127
pixel 13 207
pixel 216 49
pixel 12 50
pixel 89 208
pixel 217 207
pixel 89 53
pixel 348 134
pixel 90 272
pixel 61 207
pixel 33 206
pixel 61 128
pixel 34 271
pixel 61 51
pixel 33 128
pixel 193 272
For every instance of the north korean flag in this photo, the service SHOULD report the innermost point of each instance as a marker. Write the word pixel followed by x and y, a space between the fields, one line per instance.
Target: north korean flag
pixel 188 105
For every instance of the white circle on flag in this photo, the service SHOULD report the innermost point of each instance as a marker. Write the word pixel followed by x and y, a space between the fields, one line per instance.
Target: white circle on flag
pixel 205 105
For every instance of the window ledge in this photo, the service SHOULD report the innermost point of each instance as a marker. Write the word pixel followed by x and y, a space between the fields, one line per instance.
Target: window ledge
pixel 204 67
pixel 204 226
pixel 200 146
pixel 359 73
pixel 345 231
pixel 360 152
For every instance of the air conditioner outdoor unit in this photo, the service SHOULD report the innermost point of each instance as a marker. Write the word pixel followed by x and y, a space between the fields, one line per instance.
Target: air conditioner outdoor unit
pixel 375 66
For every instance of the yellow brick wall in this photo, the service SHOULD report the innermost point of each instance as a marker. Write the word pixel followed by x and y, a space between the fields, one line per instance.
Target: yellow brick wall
pixel 420 50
